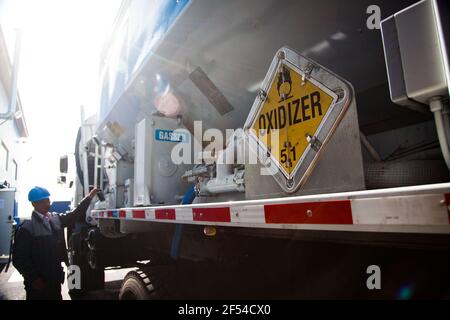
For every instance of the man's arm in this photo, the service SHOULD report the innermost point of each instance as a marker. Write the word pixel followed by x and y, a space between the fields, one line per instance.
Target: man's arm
pixel 70 218
pixel 22 255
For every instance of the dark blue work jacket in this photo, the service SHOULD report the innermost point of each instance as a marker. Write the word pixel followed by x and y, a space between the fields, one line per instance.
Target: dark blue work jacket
pixel 39 247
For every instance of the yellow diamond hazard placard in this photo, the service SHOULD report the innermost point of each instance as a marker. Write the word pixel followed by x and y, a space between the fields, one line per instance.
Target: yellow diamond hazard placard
pixel 293 110
pixel 299 107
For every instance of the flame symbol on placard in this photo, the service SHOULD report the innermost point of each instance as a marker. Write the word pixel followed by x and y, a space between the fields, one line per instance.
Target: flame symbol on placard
pixel 284 84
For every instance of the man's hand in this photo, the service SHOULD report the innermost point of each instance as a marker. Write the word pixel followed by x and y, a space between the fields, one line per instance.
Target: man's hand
pixel 93 193
pixel 38 284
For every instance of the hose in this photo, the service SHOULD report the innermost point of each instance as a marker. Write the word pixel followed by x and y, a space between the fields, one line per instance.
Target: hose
pixel 188 198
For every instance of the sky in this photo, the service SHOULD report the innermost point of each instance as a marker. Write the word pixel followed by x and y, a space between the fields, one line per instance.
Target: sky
pixel 59 72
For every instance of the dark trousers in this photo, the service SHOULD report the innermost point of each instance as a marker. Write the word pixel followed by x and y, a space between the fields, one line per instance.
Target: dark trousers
pixel 49 293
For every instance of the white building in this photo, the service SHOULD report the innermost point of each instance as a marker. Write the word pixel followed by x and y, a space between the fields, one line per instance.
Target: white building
pixel 13 132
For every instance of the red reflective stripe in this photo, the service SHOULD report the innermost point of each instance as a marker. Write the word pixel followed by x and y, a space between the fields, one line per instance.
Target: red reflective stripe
pixel 110 214
pixel 212 214
pixel 139 214
pixel 327 212
pixel 122 214
pixel 165 214
pixel 101 214
pixel 447 201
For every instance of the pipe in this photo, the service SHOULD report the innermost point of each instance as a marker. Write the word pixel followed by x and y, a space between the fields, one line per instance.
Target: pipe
pixel 14 76
pixel 96 166
pixel 436 106
pixel 102 164
pixel 224 182
pixel 446 116
pixel 84 153
pixel 223 169
pixel 223 185
pixel 77 158
pixel 375 155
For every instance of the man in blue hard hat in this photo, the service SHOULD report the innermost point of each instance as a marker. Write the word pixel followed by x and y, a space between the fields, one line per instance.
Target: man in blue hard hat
pixel 39 245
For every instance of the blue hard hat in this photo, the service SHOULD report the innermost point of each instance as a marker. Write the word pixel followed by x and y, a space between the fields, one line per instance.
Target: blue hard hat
pixel 38 194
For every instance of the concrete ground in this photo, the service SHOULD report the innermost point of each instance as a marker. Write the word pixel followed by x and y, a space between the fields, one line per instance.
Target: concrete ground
pixel 11 285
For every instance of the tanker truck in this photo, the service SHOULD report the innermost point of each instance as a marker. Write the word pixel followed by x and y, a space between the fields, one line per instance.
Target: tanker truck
pixel 269 149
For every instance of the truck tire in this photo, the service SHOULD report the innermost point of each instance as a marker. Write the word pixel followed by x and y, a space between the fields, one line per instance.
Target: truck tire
pixel 145 285
pixel 91 279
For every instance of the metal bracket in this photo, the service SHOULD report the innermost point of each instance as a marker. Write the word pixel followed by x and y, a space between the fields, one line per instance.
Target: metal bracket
pixel 315 143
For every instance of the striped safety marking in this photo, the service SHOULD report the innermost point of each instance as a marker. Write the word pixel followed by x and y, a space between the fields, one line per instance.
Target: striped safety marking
pixel 165 214
pixel 330 212
pixel 211 214
pixel 411 210
pixel 138 214
pixel 113 214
